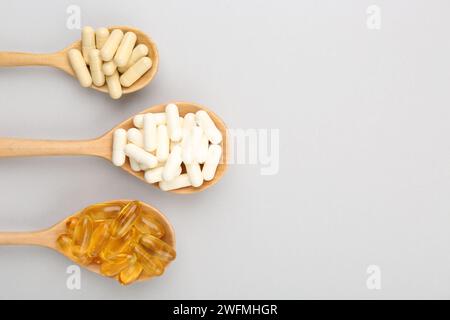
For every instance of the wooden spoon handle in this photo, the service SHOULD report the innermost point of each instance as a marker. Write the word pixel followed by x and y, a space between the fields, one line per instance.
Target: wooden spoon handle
pixel 15 59
pixel 26 238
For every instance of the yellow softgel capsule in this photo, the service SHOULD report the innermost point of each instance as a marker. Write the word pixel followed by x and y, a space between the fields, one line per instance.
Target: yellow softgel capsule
pixel 126 219
pixel 158 248
pixel 82 234
pixel 116 264
pixel 99 239
pixel 70 225
pixel 152 266
pixel 116 245
pixel 64 243
pixel 130 273
pixel 104 211
pixel 147 224
pixel 79 257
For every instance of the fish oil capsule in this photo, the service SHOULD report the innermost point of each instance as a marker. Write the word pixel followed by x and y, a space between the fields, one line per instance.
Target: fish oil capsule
pixel 101 212
pixel 99 238
pixel 136 71
pixel 139 51
pixel 108 68
pixel 151 265
pixel 110 46
pixel 148 224
pixel 95 63
pixel 116 264
pixel 119 143
pixel 155 175
pixel 173 122
pixel 64 243
pixel 125 49
pixel 150 139
pixel 82 234
pixel 157 247
pixel 114 87
pixel 130 273
pixel 79 67
pixel 160 118
pixel 126 219
pixel 195 174
pixel 202 150
pixel 162 149
pixel 101 35
pixel 212 161
pixel 141 156
pixel 70 225
pixel 87 42
pixel 172 164
pixel 116 245
pixel 179 182
pixel 208 126
pixel 135 137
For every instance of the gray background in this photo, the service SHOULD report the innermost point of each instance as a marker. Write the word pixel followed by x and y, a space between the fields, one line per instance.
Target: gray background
pixel 364 147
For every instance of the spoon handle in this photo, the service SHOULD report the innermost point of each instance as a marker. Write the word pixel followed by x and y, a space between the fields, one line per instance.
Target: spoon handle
pixel 15 59
pixel 39 238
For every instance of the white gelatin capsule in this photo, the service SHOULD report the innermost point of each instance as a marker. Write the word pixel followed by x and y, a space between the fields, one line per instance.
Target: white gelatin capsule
pixel 208 126
pixel 134 165
pixel 173 144
pixel 138 120
pixel 98 78
pixel 202 150
pixel 162 150
pixel 212 161
pixel 172 164
pixel 173 122
pixel 101 35
pixel 136 71
pixel 79 67
pixel 150 138
pixel 141 50
pixel 125 49
pixel 190 144
pixel 195 174
pixel 87 42
pixel 188 123
pixel 109 68
pixel 135 137
pixel 119 143
pixel 110 46
pixel 114 87
pixel 155 175
pixel 141 156
pixel 179 182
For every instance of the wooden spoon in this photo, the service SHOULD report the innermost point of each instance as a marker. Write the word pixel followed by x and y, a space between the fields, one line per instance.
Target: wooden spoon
pixel 102 147
pixel 60 59
pixel 47 238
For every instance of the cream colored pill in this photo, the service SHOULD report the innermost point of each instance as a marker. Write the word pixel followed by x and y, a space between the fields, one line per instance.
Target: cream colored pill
pixel 139 51
pixel 172 164
pixel 110 46
pixel 162 149
pixel 136 71
pixel 119 142
pixel 212 161
pixel 202 150
pixel 98 78
pixel 135 137
pixel 150 138
pixel 179 182
pixel 138 120
pixel 173 122
pixel 79 67
pixel 187 123
pixel 114 87
pixel 125 49
pixel 195 174
pixel 208 126
pixel 155 175
pixel 109 68
pixel 87 42
pixel 141 156
pixel 134 165
pixel 101 35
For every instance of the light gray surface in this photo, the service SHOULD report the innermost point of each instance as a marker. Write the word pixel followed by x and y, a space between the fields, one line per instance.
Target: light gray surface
pixel 364 147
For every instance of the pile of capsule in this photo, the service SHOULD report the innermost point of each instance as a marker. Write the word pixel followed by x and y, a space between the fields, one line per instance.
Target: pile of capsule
pixel 112 58
pixel 125 239
pixel 173 151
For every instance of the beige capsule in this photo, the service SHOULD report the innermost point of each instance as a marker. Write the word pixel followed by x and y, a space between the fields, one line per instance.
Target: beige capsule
pixel 114 87
pixel 125 49
pixel 110 46
pixel 136 71
pixel 109 68
pixel 79 67
pixel 98 78
pixel 140 51
pixel 101 35
pixel 87 42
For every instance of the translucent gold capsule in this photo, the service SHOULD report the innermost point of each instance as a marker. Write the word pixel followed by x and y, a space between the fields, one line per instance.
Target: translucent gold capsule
pixel 130 273
pixel 117 245
pixel 148 224
pixel 65 244
pixel 152 266
pixel 158 248
pixel 82 234
pixel 116 264
pixel 70 225
pixel 99 239
pixel 126 219
pixel 79 257
pixel 104 211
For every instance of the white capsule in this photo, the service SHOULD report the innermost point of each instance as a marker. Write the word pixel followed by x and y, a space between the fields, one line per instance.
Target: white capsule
pixel 208 126
pixel 138 120
pixel 179 182
pixel 188 123
pixel 119 143
pixel 87 42
pixel 190 144
pixel 141 156
pixel 172 164
pixel 150 138
pixel 110 46
pixel 173 144
pixel 162 150
pixel 155 175
pixel 109 68
pixel 79 67
pixel 125 49
pixel 139 51
pixel 114 87
pixel 136 71
pixel 98 78
pixel 134 165
pixel 135 137
pixel 195 174
pixel 202 150
pixel 173 122
pixel 101 35
pixel 212 161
